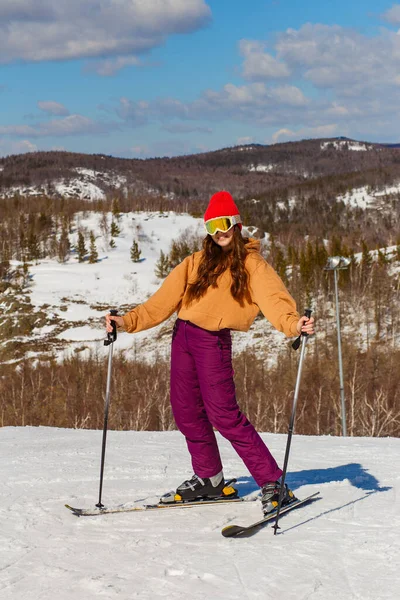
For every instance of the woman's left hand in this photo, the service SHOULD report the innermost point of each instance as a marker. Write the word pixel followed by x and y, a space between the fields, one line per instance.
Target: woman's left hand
pixel 306 325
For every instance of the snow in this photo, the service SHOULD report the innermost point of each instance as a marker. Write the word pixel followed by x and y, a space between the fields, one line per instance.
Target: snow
pixel 262 168
pixel 83 187
pixel 365 197
pixel 349 145
pixel 114 279
pixel 80 189
pixel 81 333
pixel 345 546
pixel 79 294
pixel 76 296
pixel 291 202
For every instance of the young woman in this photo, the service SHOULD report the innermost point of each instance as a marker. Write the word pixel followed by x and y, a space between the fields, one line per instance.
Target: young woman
pixel 222 287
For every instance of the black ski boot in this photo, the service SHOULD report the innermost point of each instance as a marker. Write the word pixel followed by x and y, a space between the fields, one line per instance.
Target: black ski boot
pixel 200 489
pixel 270 497
pixel 206 488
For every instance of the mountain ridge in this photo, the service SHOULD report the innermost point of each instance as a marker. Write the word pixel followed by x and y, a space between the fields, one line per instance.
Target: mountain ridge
pixel 245 170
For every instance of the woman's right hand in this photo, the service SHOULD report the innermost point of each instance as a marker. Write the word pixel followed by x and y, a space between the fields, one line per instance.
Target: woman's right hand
pixel 119 321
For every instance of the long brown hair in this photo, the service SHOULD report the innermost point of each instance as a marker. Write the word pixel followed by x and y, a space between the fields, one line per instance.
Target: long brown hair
pixel 215 261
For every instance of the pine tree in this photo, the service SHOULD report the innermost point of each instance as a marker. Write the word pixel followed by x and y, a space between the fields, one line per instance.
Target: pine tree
pixel 115 230
pixel 22 236
pixel 112 243
pixel 382 258
pixel 64 247
pixel 135 252
pixel 4 263
pixel 163 266
pixel 116 209
pixel 33 246
pixel 93 254
pixel 280 265
pixel 81 248
pixel 25 272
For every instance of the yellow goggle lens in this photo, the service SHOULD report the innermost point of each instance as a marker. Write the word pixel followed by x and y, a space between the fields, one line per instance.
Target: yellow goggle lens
pixel 219 224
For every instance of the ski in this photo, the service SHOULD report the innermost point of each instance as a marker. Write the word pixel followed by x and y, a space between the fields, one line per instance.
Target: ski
pixel 171 500
pixel 247 531
pixel 92 512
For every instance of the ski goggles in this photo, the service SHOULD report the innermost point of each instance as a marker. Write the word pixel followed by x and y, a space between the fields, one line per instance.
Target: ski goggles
pixel 222 224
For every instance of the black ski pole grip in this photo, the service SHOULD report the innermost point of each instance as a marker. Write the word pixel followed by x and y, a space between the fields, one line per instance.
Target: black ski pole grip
pixel 112 335
pixel 296 343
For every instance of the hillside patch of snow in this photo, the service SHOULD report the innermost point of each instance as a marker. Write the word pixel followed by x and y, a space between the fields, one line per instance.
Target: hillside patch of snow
pixel 365 197
pixel 348 145
pixel 262 168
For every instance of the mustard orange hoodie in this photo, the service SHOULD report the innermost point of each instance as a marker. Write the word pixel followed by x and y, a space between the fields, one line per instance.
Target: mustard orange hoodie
pixel 217 309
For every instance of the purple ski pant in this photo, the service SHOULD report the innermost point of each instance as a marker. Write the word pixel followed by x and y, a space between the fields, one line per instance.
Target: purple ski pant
pixel 203 397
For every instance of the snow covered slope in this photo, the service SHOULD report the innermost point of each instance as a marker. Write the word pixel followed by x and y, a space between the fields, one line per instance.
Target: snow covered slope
pixel 343 547
pixel 75 296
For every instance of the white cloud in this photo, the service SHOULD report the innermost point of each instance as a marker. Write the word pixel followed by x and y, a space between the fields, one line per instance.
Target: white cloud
pixel 53 108
pixel 71 125
pixel 33 30
pixel 111 66
pixel 260 65
pixel 163 148
pixel 16 147
pixel 136 113
pixel 256 97
pixel 393 14
pixel 185 128
pixel 305 132
pixel 334 57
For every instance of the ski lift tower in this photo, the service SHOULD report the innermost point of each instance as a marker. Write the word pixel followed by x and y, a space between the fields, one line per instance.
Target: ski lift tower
pixel 335 264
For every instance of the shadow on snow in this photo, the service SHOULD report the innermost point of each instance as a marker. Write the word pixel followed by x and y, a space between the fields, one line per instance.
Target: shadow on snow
pixel 355 473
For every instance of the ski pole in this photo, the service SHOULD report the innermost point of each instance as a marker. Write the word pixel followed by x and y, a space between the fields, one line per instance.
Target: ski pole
pixel 111 337
pixel 303 337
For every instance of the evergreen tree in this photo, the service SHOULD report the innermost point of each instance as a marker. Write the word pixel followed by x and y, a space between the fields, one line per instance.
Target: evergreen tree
pixel 25 272
pixel 112 244
pixel 335 247
pixel 135 252
pixel 93 254
pixel 22 235
pixel 81 248
pixel 64 247
pixel 280 265
pixel 366 260
pixel 115 230
pixel 4 263
pixel 163 266
pixel 179 251
pixel 116 209
pixel 382 258
pixel 293 256
pixel 33 247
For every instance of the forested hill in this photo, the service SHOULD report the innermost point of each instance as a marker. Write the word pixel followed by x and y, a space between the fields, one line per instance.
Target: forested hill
pixel 319 188
pixel 250 170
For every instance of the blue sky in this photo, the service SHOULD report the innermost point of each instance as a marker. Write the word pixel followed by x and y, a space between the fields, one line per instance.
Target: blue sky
pixel 169 77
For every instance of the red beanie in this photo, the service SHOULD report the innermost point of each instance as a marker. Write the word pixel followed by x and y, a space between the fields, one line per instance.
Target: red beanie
pixel 221 205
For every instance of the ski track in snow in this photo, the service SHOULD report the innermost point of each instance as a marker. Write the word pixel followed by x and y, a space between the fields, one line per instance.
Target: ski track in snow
pixel 344 546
